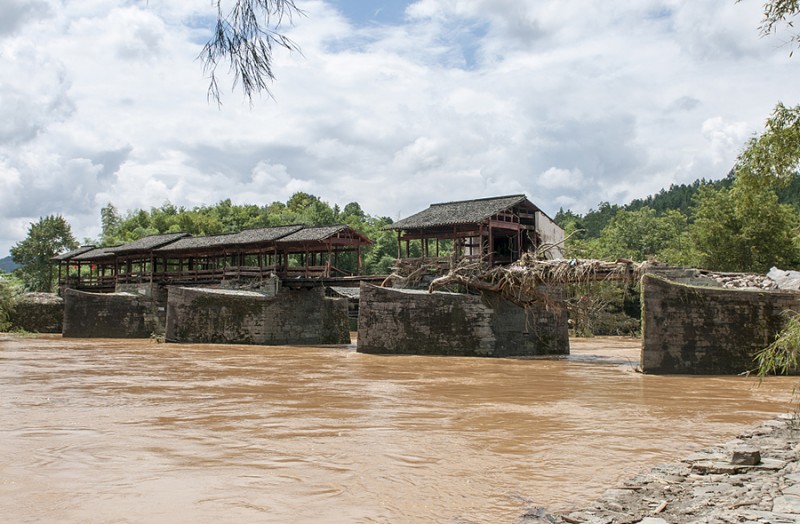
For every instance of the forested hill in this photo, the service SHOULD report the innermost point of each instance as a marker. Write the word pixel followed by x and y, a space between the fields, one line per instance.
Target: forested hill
pixel 7 264
pixel 677 197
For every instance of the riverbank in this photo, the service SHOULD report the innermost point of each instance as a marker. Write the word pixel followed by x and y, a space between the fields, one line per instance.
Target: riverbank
pixel 754 478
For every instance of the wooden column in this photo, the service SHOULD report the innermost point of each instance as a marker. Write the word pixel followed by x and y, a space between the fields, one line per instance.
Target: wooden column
pixel 491 246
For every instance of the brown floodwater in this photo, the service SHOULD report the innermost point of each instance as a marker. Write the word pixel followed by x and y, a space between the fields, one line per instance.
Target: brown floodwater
pixel 117 431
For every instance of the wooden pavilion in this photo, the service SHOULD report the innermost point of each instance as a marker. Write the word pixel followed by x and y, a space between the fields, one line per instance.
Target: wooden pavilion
pixel 491 231
pixel 287 251
pixel 70 267
pixel 134 261
pixel 317 251
pixel 248 253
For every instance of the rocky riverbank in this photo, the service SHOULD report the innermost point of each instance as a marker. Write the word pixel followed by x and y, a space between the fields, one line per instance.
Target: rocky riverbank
pixel 754 478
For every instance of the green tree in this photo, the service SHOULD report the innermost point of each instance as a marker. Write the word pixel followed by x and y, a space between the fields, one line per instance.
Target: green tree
pixel 110 222
pixel 780 13
pixel 7 301
pixel 745 227
pixel 641 234
pixel 48 237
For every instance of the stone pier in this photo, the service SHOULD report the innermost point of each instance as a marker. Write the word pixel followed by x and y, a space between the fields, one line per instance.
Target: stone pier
pixel 110 315
pixel 293 316
pixel 701 330
pixel 404 321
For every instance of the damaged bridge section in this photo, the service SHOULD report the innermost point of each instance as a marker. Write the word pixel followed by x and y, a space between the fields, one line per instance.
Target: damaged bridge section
pixel 405 321
pixel 704 330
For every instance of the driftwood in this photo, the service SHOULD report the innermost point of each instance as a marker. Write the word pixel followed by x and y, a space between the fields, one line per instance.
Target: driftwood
pixel 524 282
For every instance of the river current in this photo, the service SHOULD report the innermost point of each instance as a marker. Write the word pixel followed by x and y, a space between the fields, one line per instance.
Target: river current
pixel 118 431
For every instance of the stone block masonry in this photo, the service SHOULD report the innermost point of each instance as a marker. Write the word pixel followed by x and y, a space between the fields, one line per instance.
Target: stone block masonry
pixel 39 313
pixel 293 316
pixel 109 315
pixel 402 321
pixel 705 330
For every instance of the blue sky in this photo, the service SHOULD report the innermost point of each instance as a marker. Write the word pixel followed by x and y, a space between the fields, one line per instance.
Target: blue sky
pixel 372 12
pixel 390 104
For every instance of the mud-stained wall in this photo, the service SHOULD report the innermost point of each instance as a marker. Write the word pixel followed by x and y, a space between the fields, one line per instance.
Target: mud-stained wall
pixel 705 330
pixel 39 313
pixel 294 316
pixel 395 321
pixel 109 315
pixel 153 291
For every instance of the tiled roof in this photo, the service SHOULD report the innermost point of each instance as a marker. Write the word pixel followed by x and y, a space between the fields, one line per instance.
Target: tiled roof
pixel 147 243
pixel 70 254
pixel 190 243
pixel 248 236
pixel 463 212
pixel 322 233
pixel 266 234
pixel 94 254
pixel 311 234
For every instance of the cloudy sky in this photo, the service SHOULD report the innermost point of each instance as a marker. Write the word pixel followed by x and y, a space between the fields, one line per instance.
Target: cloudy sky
pixel 393 104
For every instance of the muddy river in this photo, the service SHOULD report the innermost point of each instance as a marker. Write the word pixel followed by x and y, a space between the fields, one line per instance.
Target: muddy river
pixel 111 431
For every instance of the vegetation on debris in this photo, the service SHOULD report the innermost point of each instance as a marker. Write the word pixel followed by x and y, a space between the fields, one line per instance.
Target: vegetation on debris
pixel 781 357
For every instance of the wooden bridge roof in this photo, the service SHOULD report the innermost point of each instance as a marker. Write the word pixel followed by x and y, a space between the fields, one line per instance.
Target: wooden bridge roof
pixel 69 255
pixel 339 234
pixel 248 237
pixel 148 243
pixel 461 212
pixel 96 254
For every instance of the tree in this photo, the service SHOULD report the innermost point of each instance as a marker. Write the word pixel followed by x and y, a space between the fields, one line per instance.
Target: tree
pixel 640 234
pixel 745 227
pixel 49 237
pixel 777 13
pixel 772 159
pixel 732 232
pixel 110 222
pixel 245 37
pixel 7 302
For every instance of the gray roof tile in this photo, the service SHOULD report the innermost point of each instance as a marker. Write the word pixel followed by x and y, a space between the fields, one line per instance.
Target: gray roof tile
pixel 147 243
pixel 70 254
pixel 462 212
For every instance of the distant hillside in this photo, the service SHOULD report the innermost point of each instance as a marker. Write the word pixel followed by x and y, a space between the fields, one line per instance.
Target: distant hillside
pixel 7 264
pixel 678 197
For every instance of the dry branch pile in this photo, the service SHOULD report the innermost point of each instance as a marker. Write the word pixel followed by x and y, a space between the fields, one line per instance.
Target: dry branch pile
pixel 522 282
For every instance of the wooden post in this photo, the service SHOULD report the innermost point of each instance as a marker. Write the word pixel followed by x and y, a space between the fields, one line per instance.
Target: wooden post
pixel 491 246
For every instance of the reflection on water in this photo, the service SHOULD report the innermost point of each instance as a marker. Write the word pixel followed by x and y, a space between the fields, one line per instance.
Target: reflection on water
pixel 133 431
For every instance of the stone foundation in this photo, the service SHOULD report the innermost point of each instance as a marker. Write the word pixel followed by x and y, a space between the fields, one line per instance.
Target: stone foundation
pixel 39 313
pixel 293 316
pixel 706 330
pixel 395 321
pixel 109 315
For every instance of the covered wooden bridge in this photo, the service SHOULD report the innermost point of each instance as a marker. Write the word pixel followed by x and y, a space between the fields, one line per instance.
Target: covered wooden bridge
pixel 490 231
pixel 286 251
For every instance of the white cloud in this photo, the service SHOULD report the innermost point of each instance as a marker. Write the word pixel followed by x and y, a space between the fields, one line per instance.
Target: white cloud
pixel 556 177
pixel 572 103
pixel 726 139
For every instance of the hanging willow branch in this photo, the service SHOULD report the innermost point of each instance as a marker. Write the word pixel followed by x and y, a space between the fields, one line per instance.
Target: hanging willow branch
pixel 245 38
